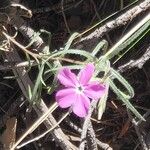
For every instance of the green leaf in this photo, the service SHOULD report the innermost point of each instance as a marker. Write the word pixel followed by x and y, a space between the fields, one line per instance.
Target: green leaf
pixel 125 100
pixel 69 42
pixel 38 85
pixel 128 87
pixel 102 45
pixel 71 51
pixel 102 102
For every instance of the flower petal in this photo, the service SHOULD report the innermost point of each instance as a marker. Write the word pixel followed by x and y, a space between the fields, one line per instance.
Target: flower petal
pixel 86 74
pixel 81 106
pixel 94 90
pixel 67 78
pixel 65 97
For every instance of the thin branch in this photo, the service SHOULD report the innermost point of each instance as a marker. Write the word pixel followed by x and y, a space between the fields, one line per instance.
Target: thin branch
pixel 136 63
pixel 93 38
pixel 91 138
pixel 103 146
pixel 28 33
pixel 100 144
pixel 140 136
pixel 86 125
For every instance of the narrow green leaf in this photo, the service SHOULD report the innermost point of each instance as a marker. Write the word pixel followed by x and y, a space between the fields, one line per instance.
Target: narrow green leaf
pixel 128 87
pixel 38 84
pixel 69 42
pixel 72 51
pixel 102 102
pixel 102 45
pixel 125 100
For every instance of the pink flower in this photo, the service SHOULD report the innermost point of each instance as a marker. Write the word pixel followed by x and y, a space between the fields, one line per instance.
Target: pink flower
pixel 79 90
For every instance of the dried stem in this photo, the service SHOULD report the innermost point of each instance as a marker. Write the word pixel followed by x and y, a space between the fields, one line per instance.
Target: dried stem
pixel 140 136
pixel 91 139
pixel 86 125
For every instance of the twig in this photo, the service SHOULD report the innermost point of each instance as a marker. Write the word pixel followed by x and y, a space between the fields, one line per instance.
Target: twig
pixel 91 139
pixel 103 146
pixel 58 135
pixel 140 136
pixel 29 33
pixel 72 125
pixel 136 63
pixel 92 39
pixel 44 133
pixel 86 125
pixel 100 144
pixel 34 55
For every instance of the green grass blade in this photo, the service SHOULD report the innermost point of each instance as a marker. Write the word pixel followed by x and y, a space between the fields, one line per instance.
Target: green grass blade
pixel 128 87
pixel 125 100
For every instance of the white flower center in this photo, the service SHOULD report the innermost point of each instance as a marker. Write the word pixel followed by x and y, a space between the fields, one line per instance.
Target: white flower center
pixel 79 89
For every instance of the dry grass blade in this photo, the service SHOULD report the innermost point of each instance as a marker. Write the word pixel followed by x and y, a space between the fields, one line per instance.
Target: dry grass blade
pixel 21 47
pixel 46 132
pixel 35 125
